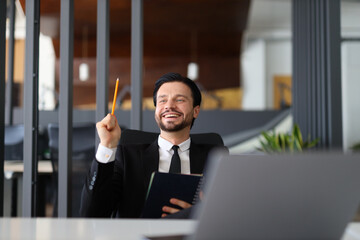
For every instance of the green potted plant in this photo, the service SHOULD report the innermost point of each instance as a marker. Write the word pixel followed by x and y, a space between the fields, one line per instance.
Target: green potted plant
pixel 356 147
pixel 285 142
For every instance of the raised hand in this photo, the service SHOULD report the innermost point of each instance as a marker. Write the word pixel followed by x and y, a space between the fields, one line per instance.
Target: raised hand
pixel 109 131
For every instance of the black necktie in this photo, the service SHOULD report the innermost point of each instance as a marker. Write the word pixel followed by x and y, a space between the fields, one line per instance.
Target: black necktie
pixel 175 166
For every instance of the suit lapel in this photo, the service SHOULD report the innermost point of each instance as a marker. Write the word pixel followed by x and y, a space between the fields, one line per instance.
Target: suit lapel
pixel 197 159
pixel 151 161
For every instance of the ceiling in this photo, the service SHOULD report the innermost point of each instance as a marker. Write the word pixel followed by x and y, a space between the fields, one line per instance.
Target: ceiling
pixel 171 27
pixel 175 32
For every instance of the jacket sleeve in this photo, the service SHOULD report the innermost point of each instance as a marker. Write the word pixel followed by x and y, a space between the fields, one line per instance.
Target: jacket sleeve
pixel 102 189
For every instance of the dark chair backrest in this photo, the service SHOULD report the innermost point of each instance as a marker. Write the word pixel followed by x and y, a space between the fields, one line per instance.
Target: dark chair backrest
pixel 130 136
pixel 83 136
pixel 83 152
pixel 83 143
pixel 14 141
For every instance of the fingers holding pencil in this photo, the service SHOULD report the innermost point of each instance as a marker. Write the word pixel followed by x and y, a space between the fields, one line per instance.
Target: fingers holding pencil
pixel 109 131
pixel 108 128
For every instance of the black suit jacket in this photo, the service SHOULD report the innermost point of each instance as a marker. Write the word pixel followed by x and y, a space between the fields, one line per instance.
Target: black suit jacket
pixel 122 185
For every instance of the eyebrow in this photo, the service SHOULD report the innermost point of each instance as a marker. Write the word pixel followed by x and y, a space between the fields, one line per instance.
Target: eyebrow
pixel 178 95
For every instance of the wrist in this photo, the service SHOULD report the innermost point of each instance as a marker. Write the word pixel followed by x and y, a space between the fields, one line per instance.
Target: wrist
pixel 108 145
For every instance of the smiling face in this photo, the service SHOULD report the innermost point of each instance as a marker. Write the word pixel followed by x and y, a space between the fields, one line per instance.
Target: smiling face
pixel 174 107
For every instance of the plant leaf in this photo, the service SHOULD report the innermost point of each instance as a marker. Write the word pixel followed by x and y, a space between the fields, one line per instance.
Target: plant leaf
pixel 282 142
pixel 265 147
pixel 297 145
pixel 267 137
pixel 313 143
pixel 297 134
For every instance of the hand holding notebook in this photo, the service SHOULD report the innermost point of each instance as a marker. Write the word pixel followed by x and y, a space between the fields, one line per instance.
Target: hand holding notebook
pixel 166 186
pixel 180 205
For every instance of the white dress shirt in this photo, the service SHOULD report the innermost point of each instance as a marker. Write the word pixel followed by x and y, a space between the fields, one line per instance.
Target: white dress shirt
pixel 104 154
pixel 166 152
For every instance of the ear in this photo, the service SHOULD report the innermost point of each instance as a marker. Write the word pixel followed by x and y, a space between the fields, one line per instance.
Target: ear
pixel 196 111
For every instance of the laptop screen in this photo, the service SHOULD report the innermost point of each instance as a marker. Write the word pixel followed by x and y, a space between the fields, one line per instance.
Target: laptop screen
pixel 279 196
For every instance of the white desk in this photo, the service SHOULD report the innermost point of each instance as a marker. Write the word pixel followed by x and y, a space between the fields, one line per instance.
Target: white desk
pixel 55 228
pixel 15 166
pixel 13 170
pixel 128 229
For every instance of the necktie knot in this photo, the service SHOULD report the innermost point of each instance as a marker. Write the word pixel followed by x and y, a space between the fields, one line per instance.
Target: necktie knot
pixel 175 165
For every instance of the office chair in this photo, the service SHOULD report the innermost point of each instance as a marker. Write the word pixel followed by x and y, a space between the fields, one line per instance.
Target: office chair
pixel 14 148
pixel 130 136
pixel 83 152
pixel 14 141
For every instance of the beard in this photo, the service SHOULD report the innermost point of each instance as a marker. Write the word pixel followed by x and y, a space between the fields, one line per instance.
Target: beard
pixel 172 127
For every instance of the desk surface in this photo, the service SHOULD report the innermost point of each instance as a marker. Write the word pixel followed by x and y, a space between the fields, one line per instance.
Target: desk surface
pixel 55 228
pixel 15 166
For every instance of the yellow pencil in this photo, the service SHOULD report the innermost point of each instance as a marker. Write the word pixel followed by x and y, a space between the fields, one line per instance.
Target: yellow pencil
pixel 115 95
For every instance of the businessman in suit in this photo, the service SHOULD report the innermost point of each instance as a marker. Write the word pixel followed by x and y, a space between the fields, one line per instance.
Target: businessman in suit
pixel 119 175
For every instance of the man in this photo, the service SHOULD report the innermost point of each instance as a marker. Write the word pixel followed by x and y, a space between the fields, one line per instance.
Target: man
pixel 119 175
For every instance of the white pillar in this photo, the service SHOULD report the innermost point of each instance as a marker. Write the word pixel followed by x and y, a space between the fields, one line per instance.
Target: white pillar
pixel 350 93
pixel 253 73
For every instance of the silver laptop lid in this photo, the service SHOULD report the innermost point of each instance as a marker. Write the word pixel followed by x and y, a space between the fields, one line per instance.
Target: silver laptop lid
pixel 279 197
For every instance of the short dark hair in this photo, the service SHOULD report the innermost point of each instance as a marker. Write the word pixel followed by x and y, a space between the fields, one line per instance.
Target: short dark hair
pixel 176 77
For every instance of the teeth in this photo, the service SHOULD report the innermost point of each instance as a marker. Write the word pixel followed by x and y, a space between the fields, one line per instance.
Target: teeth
pixel 171 115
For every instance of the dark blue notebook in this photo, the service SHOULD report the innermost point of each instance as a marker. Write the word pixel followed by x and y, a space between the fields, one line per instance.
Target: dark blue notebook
pixel 164 186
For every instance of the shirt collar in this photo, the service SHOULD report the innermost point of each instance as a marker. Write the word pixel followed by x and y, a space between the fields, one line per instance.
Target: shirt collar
pixel 165 144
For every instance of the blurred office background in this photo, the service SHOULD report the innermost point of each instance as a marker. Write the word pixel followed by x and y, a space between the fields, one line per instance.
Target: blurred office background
pixel 239 52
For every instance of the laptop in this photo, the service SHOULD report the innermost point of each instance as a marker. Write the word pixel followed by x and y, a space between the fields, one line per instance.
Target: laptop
pixel 279 196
